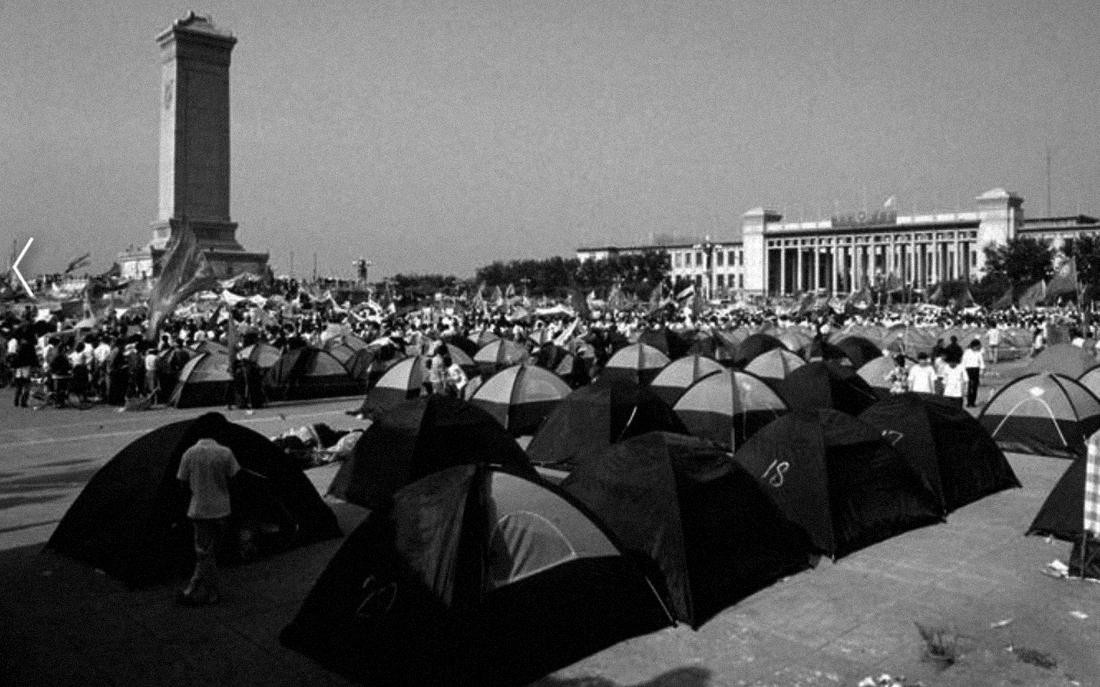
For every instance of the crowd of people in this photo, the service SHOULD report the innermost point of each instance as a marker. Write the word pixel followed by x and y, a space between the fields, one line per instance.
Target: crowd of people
pixel 119 359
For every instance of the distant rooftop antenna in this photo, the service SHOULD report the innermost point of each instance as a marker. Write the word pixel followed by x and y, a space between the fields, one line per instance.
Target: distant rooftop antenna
pixel 1048 181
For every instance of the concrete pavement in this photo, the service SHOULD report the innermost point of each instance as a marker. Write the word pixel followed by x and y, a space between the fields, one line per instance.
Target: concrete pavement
pixel 64 623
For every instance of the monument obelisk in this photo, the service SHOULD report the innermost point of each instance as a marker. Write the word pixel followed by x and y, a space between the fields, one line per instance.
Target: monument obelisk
pixel 194 148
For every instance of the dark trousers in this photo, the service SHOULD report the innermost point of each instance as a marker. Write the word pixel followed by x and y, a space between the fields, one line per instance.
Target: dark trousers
pixel 972 376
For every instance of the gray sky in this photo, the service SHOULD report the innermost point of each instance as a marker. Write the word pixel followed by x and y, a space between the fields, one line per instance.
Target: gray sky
pixel 437 137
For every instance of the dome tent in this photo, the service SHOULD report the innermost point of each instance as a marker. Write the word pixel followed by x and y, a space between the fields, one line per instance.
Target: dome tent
pixel 943 442
pixel 306 373
pixel 776 363
pixel 837 478
pixel 826 385
pixel 595 416
pixel 474 576
pixel 1064 359
pixel 419 437
pixel 520 397
pixel 729 407
pixel 203 381
pixel 706 524
pixel 638 363
pixel 131 518
pixel 1042 414
pixel 671 382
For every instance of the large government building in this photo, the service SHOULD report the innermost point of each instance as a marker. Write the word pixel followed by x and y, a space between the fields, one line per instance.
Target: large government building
pixel 767 256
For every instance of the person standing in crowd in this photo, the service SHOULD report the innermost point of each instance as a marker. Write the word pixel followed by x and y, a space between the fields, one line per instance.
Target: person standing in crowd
pixel 922 376
pixel 456 377
pixel 974 363
pixel 23 364
pixel 150 362
pixel 953 351
pixel 898 377
pixel 994 340
pixel 437 371
pixel 1038 342
pixel 954 382
pixel 206 469
pixel 61 376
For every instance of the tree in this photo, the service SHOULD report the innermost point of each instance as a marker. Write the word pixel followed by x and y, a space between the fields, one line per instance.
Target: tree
pixel 1023 261
pixel 1086 250
pixel 636 274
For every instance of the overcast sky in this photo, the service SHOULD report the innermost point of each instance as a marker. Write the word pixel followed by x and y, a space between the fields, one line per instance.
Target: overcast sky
pixel 438 137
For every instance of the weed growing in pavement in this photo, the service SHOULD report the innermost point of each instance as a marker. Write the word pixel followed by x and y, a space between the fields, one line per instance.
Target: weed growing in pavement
pixel 1035 657
pixel 940 644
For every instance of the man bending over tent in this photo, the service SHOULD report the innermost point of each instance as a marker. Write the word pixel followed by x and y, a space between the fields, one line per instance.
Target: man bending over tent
pixel 206 469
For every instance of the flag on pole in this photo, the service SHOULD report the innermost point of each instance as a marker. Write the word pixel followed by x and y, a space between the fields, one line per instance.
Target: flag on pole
pixel 1035 294
pixel 184 272
pixel 1005 301
pixel 580 305
pixel 685 293
pixel 1064 280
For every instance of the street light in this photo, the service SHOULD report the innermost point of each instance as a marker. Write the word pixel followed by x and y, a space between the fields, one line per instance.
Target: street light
pixel 708 249
pixel 361 266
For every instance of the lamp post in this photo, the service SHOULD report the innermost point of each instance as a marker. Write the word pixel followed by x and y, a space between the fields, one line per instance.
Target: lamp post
pixel 708 250
pixel 361 266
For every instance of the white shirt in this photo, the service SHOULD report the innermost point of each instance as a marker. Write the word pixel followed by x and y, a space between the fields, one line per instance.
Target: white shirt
pixel 972 358
pixel 954 381
pixel 922 379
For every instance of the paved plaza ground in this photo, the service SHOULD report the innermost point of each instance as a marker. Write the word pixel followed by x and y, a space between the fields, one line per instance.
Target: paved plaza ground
pixel 63 623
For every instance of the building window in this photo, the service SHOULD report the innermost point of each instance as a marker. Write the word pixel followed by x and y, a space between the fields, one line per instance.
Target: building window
pixel 740 281
pixel 721 258
pixel 740 258
pixel 677 259
pixel 698 259
pixel 730 257
pixel 721 280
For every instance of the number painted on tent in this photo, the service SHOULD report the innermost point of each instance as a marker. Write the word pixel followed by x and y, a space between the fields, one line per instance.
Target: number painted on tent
pixel 777 471
pixel 892 436
pixel 378 598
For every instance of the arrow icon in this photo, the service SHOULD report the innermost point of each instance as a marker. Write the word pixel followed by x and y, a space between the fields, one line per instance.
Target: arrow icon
pixel 18 274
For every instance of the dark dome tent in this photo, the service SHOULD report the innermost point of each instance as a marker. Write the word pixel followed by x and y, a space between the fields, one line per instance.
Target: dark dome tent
pixel 753 346
pixel 859 350
pixel 401 382
pixel 1064 359
pixel 262 354
pixel 306 373
pixel 838 479
pixel 474 576
pixel 774 364
pixel 708 527
pixel 1042 414
pixel 728 407
pixel 1063 514
pixel 666 341
pixel 826 385
pixel 417 438
pixel 368 365
pixel 671 382
pixel 596 416
pixel 131 518
pixel 203 381
pixel 520 397
pixel 638 363
pixel 945 444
